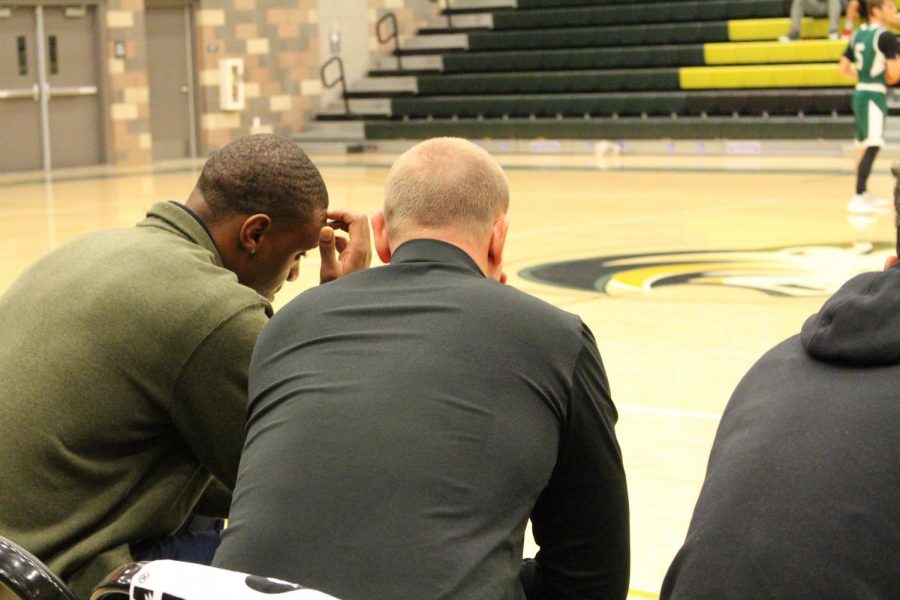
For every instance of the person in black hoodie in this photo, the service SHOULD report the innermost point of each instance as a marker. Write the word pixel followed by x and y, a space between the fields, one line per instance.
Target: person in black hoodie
pixel 802 493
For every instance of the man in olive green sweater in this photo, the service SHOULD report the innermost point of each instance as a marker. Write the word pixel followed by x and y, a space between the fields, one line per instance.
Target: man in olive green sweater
pixel 124 356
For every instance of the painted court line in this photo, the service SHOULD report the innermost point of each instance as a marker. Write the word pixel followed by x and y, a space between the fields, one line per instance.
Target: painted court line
pixel 642 218
pixel 690 211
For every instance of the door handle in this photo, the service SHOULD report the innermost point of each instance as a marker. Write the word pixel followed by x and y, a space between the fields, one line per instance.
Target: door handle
pixel 20 93
pixel 84 90
pixel 184 89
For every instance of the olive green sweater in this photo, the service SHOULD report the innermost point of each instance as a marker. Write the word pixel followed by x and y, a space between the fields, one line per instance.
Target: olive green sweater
pixel 123 378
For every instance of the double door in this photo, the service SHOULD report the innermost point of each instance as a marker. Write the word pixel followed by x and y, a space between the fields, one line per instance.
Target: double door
pixel 50 109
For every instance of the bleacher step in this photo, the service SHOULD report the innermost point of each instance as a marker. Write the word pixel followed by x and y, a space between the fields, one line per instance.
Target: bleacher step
pixel 444 41
pixel 367 107
pixel 463 6
pixel 384 85
pixel 749 128
pixel 344 137
pixel 418 62
pixel 464 21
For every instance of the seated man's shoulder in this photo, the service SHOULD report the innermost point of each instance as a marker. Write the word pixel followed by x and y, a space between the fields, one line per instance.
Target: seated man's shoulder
pixel 173 280
pixel 528 303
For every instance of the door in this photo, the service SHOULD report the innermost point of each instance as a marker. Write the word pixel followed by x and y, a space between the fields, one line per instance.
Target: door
pixel 73 76
pixel 20 110
pixel 170 71
pixel 50 113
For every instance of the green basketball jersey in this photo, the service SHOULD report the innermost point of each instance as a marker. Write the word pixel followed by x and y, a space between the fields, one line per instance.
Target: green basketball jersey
pixel 869 61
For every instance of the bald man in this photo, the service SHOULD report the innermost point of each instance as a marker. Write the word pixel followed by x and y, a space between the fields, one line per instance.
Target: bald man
pixel 464 408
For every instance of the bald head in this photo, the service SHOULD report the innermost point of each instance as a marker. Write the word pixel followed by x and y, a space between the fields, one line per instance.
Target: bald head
pixel 444 184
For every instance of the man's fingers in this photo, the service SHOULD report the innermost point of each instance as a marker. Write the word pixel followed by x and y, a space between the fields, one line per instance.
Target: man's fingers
pixel 344 216
pixel 355 251
pixel 339 225
pixel 330 268
pixel 326 236
pixel 343 219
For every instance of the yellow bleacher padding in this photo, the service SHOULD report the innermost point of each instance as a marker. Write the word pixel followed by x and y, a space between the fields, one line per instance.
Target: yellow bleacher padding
pixel 744 30
pixel 754 53
pixel 762 76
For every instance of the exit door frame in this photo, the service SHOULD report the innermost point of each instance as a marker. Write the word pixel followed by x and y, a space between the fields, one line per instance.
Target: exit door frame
pixel 43 89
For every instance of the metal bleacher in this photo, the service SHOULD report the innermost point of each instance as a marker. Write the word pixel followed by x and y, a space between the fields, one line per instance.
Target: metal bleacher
pixel 605 69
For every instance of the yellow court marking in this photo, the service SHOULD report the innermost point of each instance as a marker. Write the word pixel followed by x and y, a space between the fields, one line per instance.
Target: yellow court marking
pixel 642 279
pixel 642 594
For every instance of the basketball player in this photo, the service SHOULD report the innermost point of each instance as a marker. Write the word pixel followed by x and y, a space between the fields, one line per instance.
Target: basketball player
pixel 856 9
pixel 872 60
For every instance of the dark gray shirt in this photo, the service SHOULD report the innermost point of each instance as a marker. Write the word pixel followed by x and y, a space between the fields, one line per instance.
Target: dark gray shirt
pixel 801 499
pixel 405 423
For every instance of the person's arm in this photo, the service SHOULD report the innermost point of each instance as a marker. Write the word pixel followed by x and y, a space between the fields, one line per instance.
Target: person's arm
pixel 887 44
pixel 209 404
pixel 846 66
pixel 580 520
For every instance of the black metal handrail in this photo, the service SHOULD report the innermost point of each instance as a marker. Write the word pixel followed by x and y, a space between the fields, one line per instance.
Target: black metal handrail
pixel 340 79
pixel 448 11
pixel 393 35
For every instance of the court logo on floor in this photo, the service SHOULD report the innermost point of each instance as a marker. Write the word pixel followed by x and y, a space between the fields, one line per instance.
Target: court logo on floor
pixel 788 271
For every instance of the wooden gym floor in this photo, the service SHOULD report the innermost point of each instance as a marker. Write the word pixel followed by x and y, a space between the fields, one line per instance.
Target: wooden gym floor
pixel 673 353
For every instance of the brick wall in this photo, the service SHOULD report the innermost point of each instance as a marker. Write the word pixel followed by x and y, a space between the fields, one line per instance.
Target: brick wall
pixel 279 43
pixel 278 40
pixel 129 95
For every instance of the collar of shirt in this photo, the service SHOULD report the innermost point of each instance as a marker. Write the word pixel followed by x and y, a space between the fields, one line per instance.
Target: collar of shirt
pixel 435 251
pixel 182 221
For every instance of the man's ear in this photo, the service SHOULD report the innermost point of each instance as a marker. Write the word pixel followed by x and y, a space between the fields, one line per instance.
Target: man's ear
pixel 382 241
pixel 499 228
pixel 890 261
pixel 253 229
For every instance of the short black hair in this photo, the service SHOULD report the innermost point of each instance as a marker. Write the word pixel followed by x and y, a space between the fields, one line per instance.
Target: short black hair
pixel 263 173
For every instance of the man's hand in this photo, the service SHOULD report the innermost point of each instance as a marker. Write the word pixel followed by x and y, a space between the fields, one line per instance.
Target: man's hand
pixel 341 255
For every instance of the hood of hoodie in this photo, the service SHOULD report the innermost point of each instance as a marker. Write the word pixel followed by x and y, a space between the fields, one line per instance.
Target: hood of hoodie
pixel 860 324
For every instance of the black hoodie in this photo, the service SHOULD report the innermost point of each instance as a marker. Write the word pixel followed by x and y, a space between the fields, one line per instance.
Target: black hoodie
pixel 802 492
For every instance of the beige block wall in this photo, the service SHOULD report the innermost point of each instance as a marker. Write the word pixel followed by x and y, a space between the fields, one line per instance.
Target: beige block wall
pixel 128 110
pixel 278 40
